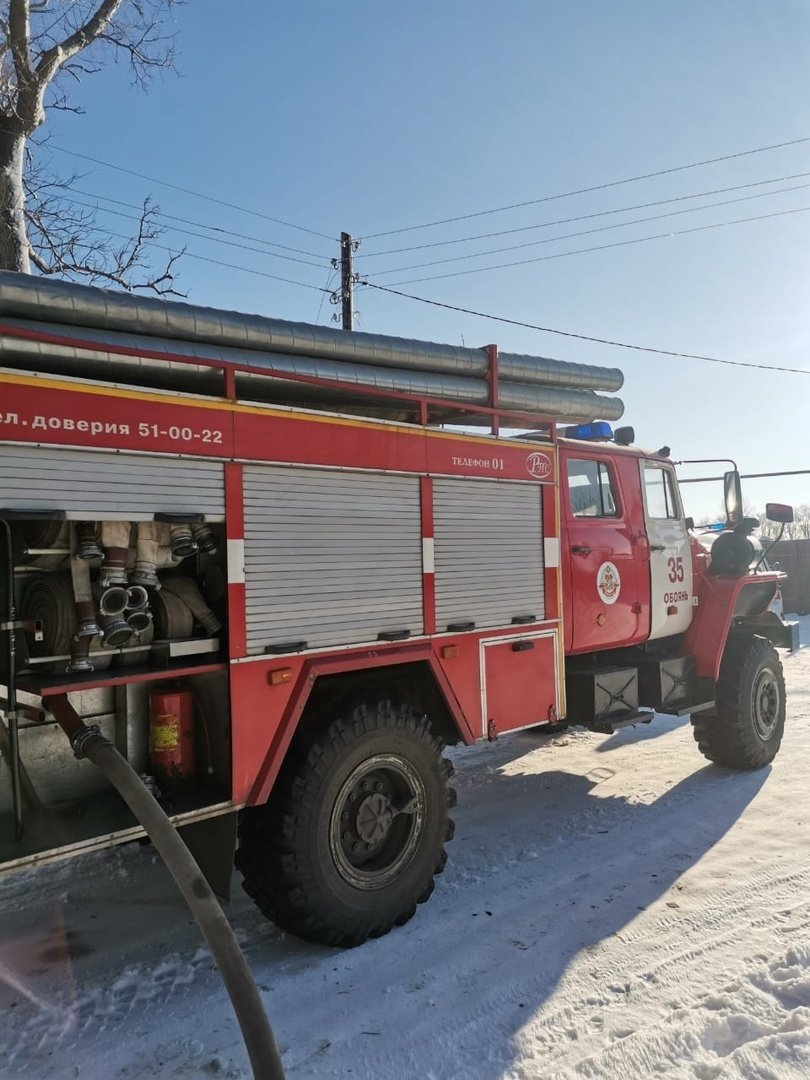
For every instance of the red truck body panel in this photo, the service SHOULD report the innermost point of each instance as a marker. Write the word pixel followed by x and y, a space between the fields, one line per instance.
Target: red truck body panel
pixel 491 680
pixel 589 623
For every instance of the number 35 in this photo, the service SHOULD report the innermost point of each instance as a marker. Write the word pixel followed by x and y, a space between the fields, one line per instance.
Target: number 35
pixel 675 569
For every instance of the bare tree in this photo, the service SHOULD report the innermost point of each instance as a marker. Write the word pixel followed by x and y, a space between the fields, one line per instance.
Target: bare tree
pixel 798 529
pixel 44 44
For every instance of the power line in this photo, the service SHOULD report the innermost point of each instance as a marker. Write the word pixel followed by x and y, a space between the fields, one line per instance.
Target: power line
pixel 326 290
pixel 218 262
pixel 201 224
pixel 586 190
pixel 585 217
pixel 485 315
pixel 586 337
pixel 188 191
pixel 201 236
pixel 606 247
pixel 598 229
pixel 744 476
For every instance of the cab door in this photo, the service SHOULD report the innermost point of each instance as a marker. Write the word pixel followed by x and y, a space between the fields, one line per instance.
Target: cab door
pixel 670 551
pixel 602 607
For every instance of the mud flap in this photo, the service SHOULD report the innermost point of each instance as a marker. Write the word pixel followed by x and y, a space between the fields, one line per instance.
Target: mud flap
pixel 212 842
pixel 781 633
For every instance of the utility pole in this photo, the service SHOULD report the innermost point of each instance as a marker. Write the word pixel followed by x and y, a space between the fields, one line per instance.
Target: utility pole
pixel 347 279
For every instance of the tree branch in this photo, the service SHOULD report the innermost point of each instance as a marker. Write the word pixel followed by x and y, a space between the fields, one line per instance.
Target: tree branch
pixel 52 59
pixel 19 36
pixel 66 240
pixel 42 44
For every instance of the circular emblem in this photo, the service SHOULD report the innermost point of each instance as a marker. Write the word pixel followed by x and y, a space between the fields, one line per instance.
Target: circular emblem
pixel 608 583
pixel 539 465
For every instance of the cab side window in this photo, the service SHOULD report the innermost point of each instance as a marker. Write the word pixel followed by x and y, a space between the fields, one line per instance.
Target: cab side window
pixel 590 489
pixel 660 494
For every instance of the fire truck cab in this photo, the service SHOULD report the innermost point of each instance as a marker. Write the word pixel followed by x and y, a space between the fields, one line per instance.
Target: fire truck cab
pixel 642 591
pixel 625 531
pixel 272 566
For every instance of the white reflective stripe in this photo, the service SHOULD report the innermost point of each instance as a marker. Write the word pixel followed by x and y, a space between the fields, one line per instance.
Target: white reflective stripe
pixel 428 556
pixel 551 551
pixel 236 562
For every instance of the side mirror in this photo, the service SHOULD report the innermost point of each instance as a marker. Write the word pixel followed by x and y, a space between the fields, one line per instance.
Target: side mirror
pixel 779 512
pixel 732 495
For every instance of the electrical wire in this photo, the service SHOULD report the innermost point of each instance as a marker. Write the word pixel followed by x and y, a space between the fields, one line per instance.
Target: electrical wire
pixel 201 224
pixel 326 290
pixel 586 190
pixel 606 247
pixel 200 236
pixel 188 191
pixel 218 262
pixel 492 318
pixel 598 229
pixel 585 337
pixel 582 217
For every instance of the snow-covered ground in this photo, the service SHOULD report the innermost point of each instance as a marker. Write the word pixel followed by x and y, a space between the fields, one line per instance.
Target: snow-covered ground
pixel 612 907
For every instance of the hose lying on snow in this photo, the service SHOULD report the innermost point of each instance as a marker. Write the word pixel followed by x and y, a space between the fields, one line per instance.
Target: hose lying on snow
pixel 258 1035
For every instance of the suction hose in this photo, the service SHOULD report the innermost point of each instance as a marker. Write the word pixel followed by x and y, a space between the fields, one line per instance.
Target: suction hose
pixel 88 742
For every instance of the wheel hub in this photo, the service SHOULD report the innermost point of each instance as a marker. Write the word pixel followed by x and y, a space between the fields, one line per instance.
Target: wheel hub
pixel 374 817
pixel 766 704
pixel 377 821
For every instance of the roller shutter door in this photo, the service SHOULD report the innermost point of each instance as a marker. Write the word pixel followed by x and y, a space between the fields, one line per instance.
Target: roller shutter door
pixel 108 486
pixel 331 558
pixel 488 551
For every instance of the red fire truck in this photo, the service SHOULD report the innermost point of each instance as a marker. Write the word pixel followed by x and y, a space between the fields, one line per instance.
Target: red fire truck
pixel 265 560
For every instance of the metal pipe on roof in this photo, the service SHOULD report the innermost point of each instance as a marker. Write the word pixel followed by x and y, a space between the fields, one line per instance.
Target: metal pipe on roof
pixel 83 352
pixel 27 297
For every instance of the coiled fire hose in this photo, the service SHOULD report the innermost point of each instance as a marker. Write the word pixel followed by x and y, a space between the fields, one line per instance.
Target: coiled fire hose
pixel 88 742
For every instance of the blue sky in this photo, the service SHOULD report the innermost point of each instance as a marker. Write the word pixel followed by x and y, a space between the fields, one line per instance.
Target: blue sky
pixel 373 116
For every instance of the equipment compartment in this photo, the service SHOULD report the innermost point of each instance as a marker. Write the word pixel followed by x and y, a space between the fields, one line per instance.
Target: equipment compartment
pixel 125 620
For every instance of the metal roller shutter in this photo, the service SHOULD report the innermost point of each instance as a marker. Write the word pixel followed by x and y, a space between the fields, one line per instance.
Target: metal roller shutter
pixel 108 486
pixel 331 558
pixel 488 550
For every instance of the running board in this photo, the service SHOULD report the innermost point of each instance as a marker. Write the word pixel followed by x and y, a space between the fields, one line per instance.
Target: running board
pixel 621 720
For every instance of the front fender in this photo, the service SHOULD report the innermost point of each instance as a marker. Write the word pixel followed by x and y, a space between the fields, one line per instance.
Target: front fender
pixel 721 600
pixel 780 632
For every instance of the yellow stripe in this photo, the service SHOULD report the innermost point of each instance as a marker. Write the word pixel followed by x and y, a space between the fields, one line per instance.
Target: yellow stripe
pixel 43 382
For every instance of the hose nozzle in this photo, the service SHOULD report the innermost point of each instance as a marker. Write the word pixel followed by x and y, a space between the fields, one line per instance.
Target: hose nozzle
pixel 205 538
pixel 112 600
pixel 115 631
pixel 87 545
pixel 183 542
pixel 115 542
pixel 137 598
pixel 139 621
pixel 86 617
pixel 80 662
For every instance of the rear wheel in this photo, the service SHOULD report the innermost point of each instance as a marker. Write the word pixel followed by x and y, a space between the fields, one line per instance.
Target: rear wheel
pixel 353 833
pixel 744 730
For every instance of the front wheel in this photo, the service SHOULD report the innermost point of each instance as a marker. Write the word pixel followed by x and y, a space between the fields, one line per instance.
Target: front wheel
pixel 353 833
pixel 744 730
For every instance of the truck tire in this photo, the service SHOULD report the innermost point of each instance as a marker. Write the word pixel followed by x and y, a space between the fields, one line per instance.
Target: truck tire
pixel 745 728
pixel 353 833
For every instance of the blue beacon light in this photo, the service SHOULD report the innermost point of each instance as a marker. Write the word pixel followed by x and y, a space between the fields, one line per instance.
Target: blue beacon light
pixel 598 431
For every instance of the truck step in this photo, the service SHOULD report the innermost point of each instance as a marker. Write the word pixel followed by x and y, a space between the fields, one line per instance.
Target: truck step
pixel 616 722
pixel 600 695
pixel 667 683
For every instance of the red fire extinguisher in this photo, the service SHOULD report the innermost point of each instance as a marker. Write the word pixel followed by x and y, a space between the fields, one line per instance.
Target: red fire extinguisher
pixel 171 737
